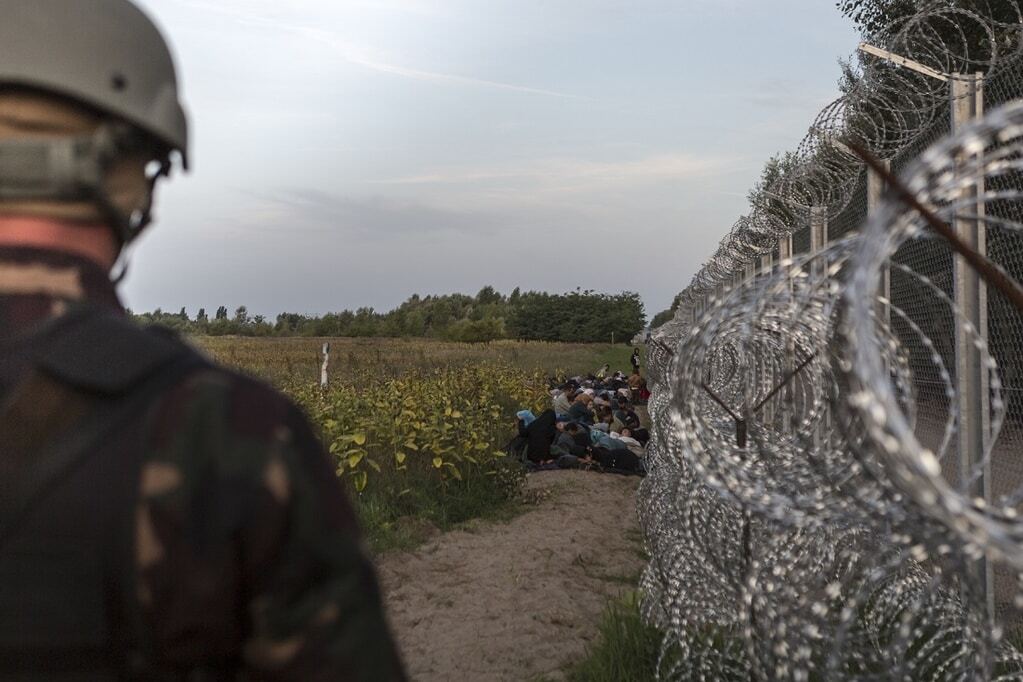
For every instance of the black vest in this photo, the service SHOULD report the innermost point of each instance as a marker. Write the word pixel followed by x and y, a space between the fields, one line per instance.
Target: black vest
pixel 70 453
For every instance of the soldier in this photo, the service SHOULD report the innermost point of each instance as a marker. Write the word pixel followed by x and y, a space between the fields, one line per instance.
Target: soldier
pixel 160 518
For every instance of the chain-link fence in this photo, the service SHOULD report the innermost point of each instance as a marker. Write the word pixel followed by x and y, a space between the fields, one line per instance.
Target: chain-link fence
pixel 836 464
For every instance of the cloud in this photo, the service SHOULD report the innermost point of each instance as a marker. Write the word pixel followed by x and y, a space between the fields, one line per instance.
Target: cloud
pixel 310 212
pixel 577 174
pixel 270 17
pixel 437 77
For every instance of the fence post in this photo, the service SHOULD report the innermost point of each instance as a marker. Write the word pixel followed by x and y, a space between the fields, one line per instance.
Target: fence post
pixel 325 366
pixel 785 247
pixel 766 266
pixel 818 228
pixel 970 296
pixel 818 242
pixel 875 192
pixel 788 364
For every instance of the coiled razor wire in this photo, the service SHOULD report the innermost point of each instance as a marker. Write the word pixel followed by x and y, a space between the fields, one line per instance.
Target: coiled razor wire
pixel 803 511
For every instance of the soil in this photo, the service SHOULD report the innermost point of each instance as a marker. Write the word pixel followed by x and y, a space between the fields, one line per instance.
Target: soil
pixel 518 600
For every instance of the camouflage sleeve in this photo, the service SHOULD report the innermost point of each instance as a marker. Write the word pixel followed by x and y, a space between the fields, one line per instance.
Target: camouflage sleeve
pixel 247 551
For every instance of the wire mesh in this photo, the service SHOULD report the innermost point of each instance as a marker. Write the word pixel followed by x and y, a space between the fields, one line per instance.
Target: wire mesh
pixel 814 508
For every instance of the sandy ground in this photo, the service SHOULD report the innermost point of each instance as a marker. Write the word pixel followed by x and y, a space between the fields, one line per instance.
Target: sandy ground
pixel 517 600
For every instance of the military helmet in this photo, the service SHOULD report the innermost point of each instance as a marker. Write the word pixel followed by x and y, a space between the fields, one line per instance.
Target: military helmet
pixel 106 54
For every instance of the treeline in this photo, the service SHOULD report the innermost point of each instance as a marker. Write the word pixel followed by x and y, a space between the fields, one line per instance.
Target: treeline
pixel 579 316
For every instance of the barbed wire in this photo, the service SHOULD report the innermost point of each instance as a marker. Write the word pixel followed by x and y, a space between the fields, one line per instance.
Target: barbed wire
pixel 806 509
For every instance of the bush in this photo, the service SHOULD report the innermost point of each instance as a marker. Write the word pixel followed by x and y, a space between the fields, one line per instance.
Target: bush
pixel 427 446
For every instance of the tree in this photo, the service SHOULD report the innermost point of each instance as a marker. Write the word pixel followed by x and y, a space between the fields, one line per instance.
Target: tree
pixel 877 19
pixel 241 315
pixel 661 318
pixel 221 313
pixel 488 296
pixel 201 317
pixel 873 16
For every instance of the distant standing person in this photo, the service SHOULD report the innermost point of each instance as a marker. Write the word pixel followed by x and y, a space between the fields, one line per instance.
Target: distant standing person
pixel 635 360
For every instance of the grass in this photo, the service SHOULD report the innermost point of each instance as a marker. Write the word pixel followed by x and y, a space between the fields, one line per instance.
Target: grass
pixel 627 648
pixel 400 523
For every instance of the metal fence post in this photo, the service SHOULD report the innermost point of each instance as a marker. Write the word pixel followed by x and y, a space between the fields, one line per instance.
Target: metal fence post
pixel 970 296
pixel 767 262
pixel 875 192
pixel 818 241
pixel 785 247
pixel 785 253
pixel 818 228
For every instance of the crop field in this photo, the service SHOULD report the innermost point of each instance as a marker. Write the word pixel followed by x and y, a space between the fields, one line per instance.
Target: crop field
pixel 288 360
pixel 417 427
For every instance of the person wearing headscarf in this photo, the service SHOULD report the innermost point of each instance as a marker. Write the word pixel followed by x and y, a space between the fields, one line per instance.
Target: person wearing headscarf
pixel 540 434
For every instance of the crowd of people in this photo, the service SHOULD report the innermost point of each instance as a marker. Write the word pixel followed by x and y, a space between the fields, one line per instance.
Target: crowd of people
pixel 592 424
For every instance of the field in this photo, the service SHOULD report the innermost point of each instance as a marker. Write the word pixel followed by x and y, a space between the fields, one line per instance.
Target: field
pixel 289 360
pixel 417 427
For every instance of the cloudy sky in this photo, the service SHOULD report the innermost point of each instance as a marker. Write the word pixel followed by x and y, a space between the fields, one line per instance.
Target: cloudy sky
pixel 352 152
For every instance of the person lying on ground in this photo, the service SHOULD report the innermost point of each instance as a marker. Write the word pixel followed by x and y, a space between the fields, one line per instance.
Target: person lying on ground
pixel 571 439
pixel 634 446
pixel 618 381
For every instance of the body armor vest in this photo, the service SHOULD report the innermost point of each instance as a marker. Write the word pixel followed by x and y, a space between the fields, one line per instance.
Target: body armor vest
pixel 71 447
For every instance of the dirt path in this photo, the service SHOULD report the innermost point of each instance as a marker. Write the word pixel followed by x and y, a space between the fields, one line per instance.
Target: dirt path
pixel 520 600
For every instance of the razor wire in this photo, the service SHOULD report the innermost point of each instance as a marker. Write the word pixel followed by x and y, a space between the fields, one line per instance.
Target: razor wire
pixel 811 510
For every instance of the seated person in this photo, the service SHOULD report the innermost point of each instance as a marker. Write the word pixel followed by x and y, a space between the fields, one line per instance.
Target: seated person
pixel 625 414
pixel 644 392
pixel 540 434
pixel 580 410
pixel 606 416
pixel 563 401
pixel 635 382
pixel 516 448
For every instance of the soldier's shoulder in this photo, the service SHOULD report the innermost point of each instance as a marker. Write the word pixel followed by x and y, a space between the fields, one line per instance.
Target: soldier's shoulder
pixel 102 352
pixel 214 397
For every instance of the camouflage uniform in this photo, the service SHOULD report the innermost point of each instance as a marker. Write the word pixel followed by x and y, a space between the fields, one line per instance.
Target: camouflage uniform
pixel 209 521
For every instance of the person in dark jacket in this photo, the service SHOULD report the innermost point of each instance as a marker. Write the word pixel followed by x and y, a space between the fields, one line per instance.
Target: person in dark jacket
pixel 540 435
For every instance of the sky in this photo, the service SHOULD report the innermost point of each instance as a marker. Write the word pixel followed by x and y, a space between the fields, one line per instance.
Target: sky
pixel 349 153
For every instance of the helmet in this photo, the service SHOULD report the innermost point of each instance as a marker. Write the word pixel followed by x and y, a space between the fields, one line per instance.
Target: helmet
pixel 105 53
pixel 108 55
